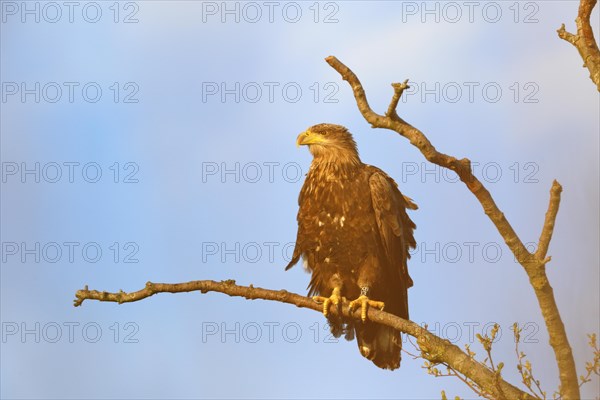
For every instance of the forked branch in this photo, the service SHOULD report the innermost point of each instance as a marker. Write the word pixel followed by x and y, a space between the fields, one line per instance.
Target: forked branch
pixel 534 264
pixel 584 40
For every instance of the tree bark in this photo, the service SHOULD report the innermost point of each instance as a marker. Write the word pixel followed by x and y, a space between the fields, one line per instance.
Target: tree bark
pixel 584 40
pixel 534 264
pixel 433 348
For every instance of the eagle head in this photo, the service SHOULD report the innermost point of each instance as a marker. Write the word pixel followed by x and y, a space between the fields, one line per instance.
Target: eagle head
pixel 329 142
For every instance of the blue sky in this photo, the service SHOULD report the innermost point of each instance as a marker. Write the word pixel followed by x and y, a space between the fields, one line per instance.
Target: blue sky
pixel 190 118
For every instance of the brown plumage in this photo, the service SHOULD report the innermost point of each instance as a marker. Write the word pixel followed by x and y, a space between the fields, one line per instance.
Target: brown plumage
pixel 354 234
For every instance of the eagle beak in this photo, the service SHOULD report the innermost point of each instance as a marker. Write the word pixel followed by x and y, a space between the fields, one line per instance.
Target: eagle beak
pixel 300 140
pixel 307 137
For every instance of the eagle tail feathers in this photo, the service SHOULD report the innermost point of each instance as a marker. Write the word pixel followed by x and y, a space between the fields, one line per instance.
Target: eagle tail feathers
pixel 380 344
pixel 339 327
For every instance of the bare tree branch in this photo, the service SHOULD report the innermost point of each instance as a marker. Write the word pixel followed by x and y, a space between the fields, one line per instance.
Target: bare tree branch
pixel 462 167
pixel 534 264
pixel 398 90
pixel 584 40
pixel 432 347
pixel 548 228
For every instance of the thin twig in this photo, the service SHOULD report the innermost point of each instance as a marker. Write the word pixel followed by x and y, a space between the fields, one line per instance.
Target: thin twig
pixel 526 370
pixel 548 228
pixel 399 88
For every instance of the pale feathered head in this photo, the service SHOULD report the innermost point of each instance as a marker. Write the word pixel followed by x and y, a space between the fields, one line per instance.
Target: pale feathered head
pixel 329 142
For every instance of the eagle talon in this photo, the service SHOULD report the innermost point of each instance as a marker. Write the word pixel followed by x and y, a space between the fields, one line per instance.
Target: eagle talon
pixel 364 302
pixel 335 298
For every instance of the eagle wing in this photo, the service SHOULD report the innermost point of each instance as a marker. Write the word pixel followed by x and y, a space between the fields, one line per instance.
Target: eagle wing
pixel 301 237
pixel 395 230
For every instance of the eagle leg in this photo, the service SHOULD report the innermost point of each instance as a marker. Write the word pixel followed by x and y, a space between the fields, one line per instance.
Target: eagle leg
pixel 336 299
pixel 364 302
